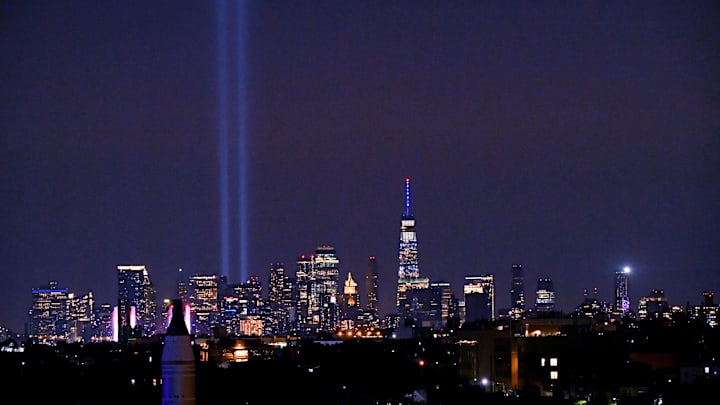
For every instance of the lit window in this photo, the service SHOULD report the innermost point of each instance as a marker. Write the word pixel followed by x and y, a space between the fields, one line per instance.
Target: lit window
pixel 542 362
pixel 553 362
pixel 553 375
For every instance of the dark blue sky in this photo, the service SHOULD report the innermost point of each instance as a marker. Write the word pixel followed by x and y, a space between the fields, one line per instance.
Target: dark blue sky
pixel 572 137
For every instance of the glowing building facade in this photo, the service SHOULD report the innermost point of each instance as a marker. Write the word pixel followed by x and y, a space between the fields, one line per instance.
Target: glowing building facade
pixel 408 268
pixel 137 314
pixel 325 288
pixel 545 295
pixel 49 313
pixel 622 295
pixel 204 295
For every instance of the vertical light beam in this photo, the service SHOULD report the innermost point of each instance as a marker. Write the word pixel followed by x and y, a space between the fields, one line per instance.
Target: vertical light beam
pixel 223 158
pixel 241 142
pixel 232 106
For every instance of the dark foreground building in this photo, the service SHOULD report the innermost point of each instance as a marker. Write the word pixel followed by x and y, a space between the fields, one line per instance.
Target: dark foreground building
pixel 481 364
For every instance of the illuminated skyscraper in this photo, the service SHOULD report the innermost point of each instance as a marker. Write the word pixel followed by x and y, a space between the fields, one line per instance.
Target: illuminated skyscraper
pixel 276 284
pixel 517 293
pixel 49 313
pixel 349 302
pixel 442 296
pixel 408 269
pixel 545 295
pixel 372 286
pixel 622 297
pixel 325 287
pixel 653 306
pixel 204 291
pixel 137 307
pixel 303 278
pixel 479 293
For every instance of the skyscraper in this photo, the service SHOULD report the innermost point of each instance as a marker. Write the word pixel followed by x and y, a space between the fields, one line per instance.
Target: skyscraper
pixel 276 284
pixel 408 269
pixel 303 283
pixel 442 296
pixel 371 287
pixel 204 292
pixel 622 297
pixel 479 293
pixel 653 306
pixel 517 293
pixel 137 307
pixel 325 287
pixel 49 312
pixel 545 295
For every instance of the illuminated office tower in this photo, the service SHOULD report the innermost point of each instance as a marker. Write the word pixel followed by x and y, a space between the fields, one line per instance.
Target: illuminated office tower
pixel 103 326
pixel 350 290
pixel 182 287
pixel 303 283
pixel 545 295
pixel 479 295
pixel 137 307
pixel 372 286
pixel 622 296
pixel 325 287
pixel 276 283
pixel 441 298
pixel 408 269
pixel 204 291
pixel 49 312
pixel 349 302
pixel 707 311
pixel 81 317
pixel 653 306
pixel 517 293
pixel 252 289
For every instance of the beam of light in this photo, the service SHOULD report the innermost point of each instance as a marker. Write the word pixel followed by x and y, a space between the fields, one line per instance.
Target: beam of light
pixel 232 105
pixel 223 158
pixel 242 141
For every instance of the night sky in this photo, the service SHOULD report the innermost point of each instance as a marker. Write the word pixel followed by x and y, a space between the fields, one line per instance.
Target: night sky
pixel 573 137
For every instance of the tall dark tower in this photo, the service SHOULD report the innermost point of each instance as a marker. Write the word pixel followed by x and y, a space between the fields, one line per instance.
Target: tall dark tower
pixel 178 361
pixel 517 293
pixel 372 286
pixel 408 269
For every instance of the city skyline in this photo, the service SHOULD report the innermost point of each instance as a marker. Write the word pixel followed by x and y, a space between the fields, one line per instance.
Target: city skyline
pixel 575 139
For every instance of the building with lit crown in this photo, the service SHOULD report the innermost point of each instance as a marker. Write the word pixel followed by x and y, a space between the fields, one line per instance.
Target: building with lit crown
pixel 408 268
pixel 49 313
pixel 545 295
pixel 479 296
pixel 622 294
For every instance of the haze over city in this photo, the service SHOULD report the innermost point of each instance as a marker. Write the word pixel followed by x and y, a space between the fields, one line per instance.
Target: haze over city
pixel 575 138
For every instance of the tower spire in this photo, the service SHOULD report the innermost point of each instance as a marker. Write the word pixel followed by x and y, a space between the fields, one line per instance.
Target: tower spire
pixel 407 196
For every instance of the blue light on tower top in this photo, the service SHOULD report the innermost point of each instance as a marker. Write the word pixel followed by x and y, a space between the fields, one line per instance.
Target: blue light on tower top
pixel 407 197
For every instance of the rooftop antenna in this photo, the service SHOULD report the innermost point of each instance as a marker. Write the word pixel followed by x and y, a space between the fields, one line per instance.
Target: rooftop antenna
pixel 407 197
